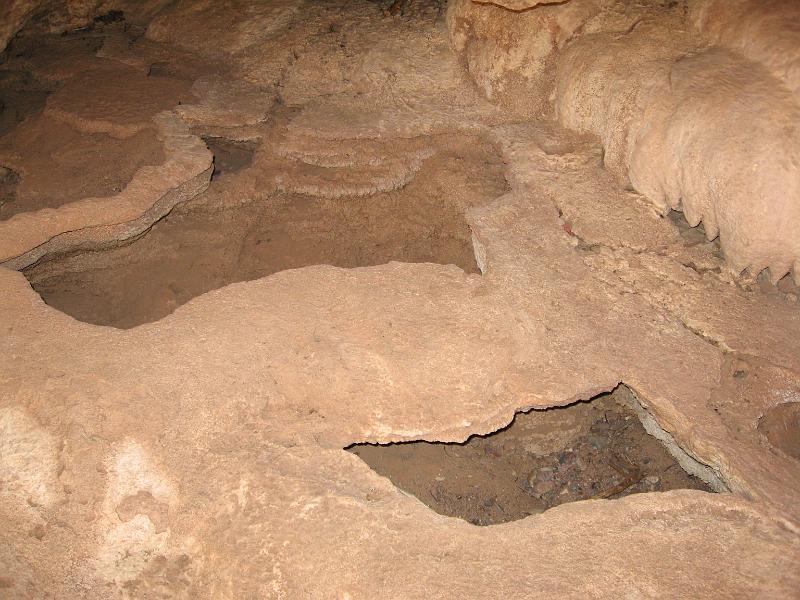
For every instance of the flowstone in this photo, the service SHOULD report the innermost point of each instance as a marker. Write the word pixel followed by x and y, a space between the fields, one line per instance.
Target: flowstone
pixel 486 263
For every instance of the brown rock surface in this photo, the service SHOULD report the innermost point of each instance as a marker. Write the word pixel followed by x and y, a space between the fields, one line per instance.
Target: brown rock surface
pixel 13 15
pixel 47 155
pixel 121 101
pixel 201 455
pixel 91 222
pixel 112 116
pixel 60 16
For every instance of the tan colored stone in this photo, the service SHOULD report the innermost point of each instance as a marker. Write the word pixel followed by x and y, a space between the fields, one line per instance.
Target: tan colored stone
pixel 767 31
pixel 153 191
pixel 656 108
pixel 510 54
pixel 121 101
pixel 201 455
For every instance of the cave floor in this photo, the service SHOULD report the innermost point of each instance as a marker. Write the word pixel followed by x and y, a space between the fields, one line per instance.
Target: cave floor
pixel 232 251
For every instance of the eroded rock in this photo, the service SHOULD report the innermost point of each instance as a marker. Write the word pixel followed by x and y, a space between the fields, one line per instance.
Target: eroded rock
pixel 200 455
pixel 648 85
pixel 766 31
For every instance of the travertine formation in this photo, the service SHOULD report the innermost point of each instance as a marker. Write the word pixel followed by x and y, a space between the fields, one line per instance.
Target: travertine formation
pixel 201 455
pixel 511 54
pixel 708 130
pixel 765 31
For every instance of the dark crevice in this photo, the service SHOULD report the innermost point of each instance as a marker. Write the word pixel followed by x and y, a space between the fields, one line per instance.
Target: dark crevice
pixel 598 449
pixel 230 156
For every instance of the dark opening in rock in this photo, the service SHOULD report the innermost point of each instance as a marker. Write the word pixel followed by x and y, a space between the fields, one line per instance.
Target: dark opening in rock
pixel 8 185
pixel 208 244
pixel 230 155
pixel 112 16
pixel 21 96
pixel 692 235
pixel 781 426
pixel 588 450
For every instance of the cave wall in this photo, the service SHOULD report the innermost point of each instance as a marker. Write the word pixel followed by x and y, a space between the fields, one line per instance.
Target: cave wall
pixel 58 16
pixel 510 53
pixel 695 104
pixel 696 101
pixel 765 31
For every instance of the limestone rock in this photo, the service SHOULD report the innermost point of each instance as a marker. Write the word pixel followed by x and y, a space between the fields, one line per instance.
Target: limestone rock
pixel 644 81
pixel 201 454
pixel 656 105
pixel 766 31
pixel 510 55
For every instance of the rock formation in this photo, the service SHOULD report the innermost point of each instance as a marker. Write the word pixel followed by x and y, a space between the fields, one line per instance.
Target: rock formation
pixel 659 95
pixel 308 229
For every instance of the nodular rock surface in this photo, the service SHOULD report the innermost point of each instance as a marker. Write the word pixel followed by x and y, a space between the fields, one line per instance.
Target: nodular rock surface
pixel 695 104
pixel 201 455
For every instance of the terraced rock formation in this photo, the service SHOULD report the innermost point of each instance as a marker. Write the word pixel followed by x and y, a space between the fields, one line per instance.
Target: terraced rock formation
pixel 333 237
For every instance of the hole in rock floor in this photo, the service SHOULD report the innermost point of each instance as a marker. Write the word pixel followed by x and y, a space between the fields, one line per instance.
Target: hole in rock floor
pixel 230 156
pixel 201 246
pixel 588 450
